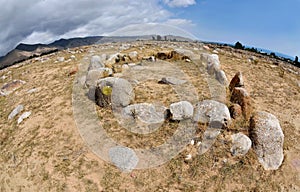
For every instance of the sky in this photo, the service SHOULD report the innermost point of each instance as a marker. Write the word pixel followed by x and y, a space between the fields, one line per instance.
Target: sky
pixel 268 24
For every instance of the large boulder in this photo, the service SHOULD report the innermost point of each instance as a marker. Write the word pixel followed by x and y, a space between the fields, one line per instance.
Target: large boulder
pixel 240 144
pixel 96 74
pixel 96 62
pixel 209 111
pixel 113 91
pixel 237 81
pixel 240 96
pixel 267 138
pixel 181 110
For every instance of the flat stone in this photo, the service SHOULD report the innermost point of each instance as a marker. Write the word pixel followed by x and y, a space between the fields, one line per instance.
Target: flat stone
pixel 96 62
pixel 124 158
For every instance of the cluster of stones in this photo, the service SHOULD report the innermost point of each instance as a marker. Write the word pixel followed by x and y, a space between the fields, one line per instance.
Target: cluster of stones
pixel 266 135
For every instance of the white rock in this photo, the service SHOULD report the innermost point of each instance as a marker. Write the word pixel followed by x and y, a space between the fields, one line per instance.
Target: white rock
pixel 181 110
pixel 24 116
pixel 240 144
pixel 16 111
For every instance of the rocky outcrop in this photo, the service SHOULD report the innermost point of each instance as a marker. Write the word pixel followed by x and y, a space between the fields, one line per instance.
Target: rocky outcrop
pixel 240 144
pixel 113 91
pixel 181 110
pixel 221 77
pixel 267 138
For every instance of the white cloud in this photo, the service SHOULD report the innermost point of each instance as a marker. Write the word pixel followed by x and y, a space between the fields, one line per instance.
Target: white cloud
pixel 179 3
pixel 43 21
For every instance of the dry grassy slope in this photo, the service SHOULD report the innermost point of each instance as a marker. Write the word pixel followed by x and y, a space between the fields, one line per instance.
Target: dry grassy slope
pixel 46 152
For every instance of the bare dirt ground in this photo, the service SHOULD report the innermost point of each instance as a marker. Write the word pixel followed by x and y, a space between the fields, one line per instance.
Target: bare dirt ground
pixel 47 153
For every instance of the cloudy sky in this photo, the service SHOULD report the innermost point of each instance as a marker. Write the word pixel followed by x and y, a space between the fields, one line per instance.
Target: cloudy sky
pixel 270 24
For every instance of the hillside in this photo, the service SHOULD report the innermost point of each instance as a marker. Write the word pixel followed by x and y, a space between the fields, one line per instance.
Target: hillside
pixel 53 150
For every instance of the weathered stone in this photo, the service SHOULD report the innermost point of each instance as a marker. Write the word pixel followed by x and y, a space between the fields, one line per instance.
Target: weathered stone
pixel 8 88
pixel 181 110
pixel 96 74
pixel 212 63
pixel 221 77
pixel 16 111
pixel 121 94
pixel 25 115
pixel 240 144
pixel 208 111
pixel 235 111
pixel 133 55
pixel 142 118
pixel 267 138
pixel 96 62
pixel 124 158
pixel 172 81
pixel 240 96
pixel 237 81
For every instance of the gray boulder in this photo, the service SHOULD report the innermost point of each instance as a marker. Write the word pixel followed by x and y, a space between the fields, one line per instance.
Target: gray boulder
pixel 209 111
pixel 172 81
pixel 16 111
pixel 181 110
pixel 113 91
pixel 240 144
pixel 96 74
pixel 267 138
pixel 96 62
pixel 124 158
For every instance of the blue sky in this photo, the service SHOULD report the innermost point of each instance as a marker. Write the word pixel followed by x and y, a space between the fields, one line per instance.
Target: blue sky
pixel 272 25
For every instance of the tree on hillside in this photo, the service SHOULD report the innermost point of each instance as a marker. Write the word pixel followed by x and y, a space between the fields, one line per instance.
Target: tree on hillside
pixel 158 38
pixel 296 60
pixel 238 45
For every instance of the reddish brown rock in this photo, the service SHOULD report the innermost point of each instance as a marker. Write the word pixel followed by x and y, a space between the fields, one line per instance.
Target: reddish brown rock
pixel 237 81
pixel 240 96
pixel 235 111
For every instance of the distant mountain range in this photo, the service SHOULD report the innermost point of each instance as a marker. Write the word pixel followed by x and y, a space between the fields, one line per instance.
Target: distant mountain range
pixel 26 51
